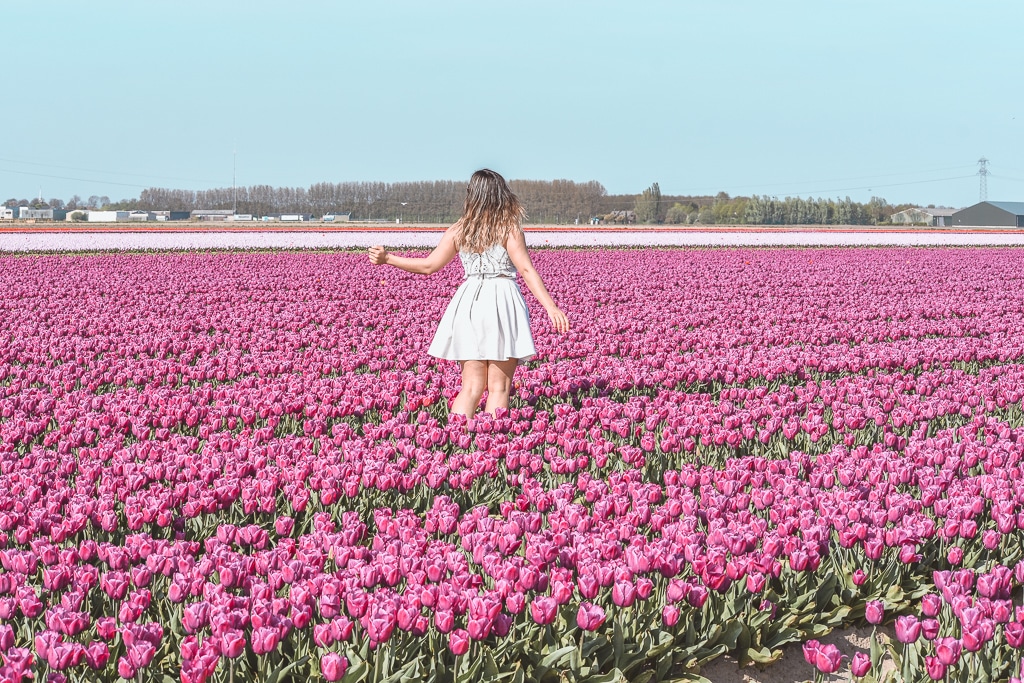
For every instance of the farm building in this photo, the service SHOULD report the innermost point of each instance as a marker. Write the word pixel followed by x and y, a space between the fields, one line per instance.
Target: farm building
pixel 337 217
pixel 106 216
pixel 992 214
pixel 7 213
pixel 171 215
pixel 287 217
pixel 212 214
pixel 26 213
pixel 931 216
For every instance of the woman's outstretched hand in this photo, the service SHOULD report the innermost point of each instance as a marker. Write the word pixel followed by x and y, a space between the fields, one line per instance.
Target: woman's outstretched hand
pixel 378 255
pixel 559 319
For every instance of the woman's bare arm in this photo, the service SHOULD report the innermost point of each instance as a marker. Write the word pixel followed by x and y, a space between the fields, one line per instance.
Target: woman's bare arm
pixel 440 257
pixel 515 245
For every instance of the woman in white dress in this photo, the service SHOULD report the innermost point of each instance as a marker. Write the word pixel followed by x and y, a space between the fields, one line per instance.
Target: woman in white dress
pixel 486 327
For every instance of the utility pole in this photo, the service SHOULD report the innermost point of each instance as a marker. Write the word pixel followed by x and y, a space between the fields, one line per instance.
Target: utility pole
pixel 234 191
pixel 983 177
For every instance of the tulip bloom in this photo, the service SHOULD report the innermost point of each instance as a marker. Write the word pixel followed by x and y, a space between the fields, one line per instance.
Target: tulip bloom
pixel 860 664
pixel 333 666
pixel 1014 633
pixel 458 642
pixel 825 658
pixel 935 668
pixel 233 644
pixel 543 609
pixel 908 629
pixel 947 650
pixel 931 604
pixel 874 612
pixel 623 593
pixel 590 617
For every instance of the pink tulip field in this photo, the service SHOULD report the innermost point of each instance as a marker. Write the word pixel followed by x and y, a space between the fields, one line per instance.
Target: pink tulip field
pixel 239 466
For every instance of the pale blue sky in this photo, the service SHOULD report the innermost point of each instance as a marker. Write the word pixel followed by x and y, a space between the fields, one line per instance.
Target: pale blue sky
pixel 820 98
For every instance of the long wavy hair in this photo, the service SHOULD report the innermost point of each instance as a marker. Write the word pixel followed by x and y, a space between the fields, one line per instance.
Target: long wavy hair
pixel 491 212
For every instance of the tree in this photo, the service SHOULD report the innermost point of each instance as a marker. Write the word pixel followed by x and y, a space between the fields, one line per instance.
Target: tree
pixel 11 202
pixel 57 204
pixel 73 202
pixel 648 205
pixel 676 214
pixel 79 216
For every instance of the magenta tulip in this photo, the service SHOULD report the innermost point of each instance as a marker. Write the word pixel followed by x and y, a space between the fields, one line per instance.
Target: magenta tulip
pixel 860 664
pixel 590 617
pixel 458 642
pixel 333 666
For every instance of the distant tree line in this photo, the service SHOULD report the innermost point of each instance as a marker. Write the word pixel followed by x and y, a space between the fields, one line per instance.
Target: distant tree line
pixel 547 201
pixel 651 207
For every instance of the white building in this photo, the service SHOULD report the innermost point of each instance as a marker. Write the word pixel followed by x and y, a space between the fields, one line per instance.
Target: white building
pixel 212 214
pixel 938 218
pixel 26 213
pixel 107 216
pixel 7 213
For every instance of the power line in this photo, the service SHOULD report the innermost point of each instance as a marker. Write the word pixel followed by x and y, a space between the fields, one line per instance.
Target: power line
pixel 870 187
pixel 839 180
pixel 63 177
pixel 95 170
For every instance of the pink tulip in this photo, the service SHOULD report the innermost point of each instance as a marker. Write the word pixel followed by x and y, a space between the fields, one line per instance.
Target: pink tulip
pixel 624 593
pixel 333 666
pixel 543 610
pixel 458 642
pixel 860 664
pixel 1014 633
pixel 97 654
pixel 935 668
pixel 264 640
pixel 874 612
pixel 931 604
pixel 233 644
pixel 590 617
pixel 947 650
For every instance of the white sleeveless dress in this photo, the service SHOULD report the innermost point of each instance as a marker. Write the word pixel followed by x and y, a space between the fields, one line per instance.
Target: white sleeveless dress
pixel 487 318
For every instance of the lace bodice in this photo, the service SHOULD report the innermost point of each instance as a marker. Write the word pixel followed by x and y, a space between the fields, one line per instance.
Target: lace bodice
pixel 492 262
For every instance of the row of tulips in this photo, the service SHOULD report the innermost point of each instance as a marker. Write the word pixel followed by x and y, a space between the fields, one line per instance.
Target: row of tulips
pixel 206 473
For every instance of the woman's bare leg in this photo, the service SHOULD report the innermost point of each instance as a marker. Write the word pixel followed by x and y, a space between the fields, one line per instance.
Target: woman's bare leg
pixel 499 383
pixel 474 381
